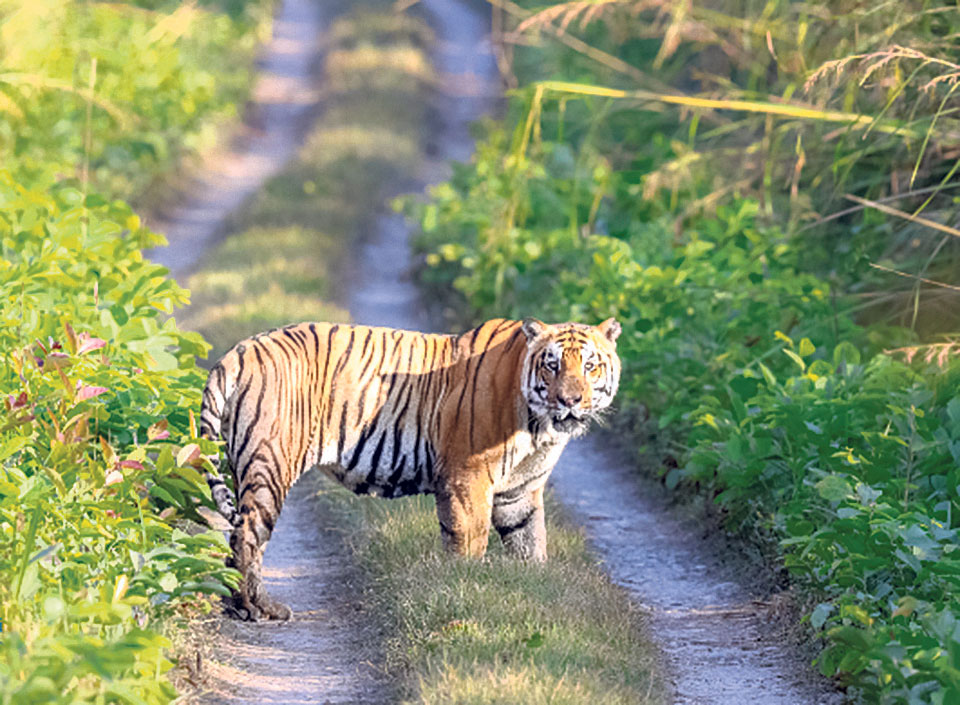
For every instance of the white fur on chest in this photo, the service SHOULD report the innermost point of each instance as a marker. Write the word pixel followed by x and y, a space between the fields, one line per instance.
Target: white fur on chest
pixel 531 464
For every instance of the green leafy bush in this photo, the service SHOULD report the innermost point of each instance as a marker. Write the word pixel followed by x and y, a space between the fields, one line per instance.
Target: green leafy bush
pixel 118 92
pixel 855 465
pixel 97 453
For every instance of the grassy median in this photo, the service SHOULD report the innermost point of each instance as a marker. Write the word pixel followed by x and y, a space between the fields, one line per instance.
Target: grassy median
pixel 287 254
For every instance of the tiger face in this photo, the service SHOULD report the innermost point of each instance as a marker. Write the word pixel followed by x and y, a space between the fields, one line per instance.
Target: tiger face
pixel 571 372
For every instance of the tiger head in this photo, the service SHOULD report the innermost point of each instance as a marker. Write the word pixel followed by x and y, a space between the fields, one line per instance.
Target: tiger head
pixel 570 373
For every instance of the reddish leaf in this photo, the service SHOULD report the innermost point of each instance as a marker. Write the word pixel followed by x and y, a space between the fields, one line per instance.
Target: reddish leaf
pixel 87 392
pixel 86 344
pixel 135 464
pixel 158 432
pixel 17 402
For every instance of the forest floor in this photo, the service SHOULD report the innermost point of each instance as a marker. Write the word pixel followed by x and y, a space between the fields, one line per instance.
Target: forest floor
pixel 719 641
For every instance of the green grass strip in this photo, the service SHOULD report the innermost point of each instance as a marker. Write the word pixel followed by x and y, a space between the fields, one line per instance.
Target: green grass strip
pixel 495 630
pixel 288 252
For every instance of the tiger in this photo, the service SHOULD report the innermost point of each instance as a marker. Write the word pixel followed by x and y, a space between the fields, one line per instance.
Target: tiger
pixel 479 420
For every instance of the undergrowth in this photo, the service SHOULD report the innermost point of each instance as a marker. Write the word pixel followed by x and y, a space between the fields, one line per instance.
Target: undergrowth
pixel 97 455
pixel 99 461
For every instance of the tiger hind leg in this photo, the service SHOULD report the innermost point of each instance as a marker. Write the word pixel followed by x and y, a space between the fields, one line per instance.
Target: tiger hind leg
pixel 259 510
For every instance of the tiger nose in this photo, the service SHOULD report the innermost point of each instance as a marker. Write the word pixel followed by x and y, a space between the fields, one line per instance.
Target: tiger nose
pixel 571 400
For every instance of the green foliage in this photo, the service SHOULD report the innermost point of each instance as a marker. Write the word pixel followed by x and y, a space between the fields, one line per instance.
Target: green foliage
pixel 118 92
pixel 792 105
pixel 97 453
pixel 856 466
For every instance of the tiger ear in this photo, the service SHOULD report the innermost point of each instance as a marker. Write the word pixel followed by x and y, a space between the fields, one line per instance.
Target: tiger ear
pixel 610 329
pixel 532 328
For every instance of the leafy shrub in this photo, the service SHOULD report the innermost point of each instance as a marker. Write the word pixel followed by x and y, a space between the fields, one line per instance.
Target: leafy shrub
pixel 97 453
pixel 856 466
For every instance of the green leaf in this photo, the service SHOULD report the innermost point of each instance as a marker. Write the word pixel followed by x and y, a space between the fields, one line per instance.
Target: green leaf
pixel 796 358
pixel 806 347
pixel 819 615
pixel 834 488
pixel 846 354
pixel 14 445
pixel 535 641
pixel 767 374
pixel 672 479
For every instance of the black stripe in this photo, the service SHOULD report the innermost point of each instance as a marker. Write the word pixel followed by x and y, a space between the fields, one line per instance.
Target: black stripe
pixel 505 531
pixel 341 363
pixel 241 395
pixel 358 450
pixel 251 427
pixel 398 432
pixel 397 475
pixel 343 432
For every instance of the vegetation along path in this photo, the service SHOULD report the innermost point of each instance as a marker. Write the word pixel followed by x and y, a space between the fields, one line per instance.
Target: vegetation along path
pixel 718 646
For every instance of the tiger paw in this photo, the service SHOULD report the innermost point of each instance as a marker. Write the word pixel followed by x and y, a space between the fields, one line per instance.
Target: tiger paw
pixel 236 608
pixel 272 609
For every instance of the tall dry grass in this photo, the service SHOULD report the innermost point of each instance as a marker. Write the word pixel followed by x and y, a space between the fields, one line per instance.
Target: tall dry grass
pixel 798 105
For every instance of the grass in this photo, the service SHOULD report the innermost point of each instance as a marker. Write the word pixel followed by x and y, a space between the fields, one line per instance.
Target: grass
pixel 496 630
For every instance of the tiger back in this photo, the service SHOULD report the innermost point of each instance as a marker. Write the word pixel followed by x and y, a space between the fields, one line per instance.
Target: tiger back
pixel 477 419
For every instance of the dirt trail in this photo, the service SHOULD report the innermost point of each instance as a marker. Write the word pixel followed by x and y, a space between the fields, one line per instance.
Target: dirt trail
pixel 327 653
pixel 721 643
pixel 283 103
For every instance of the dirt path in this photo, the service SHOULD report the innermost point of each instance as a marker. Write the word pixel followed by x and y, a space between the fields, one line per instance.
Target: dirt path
pixel 283 103
pixel 721 643
pixel 327 653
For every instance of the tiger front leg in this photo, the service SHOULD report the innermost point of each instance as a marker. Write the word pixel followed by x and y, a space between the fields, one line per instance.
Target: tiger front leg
pixel 463 511
pixel 519 519
pixel 248 541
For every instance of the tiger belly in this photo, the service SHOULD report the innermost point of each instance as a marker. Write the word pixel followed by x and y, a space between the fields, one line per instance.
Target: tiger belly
pixel 383 462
